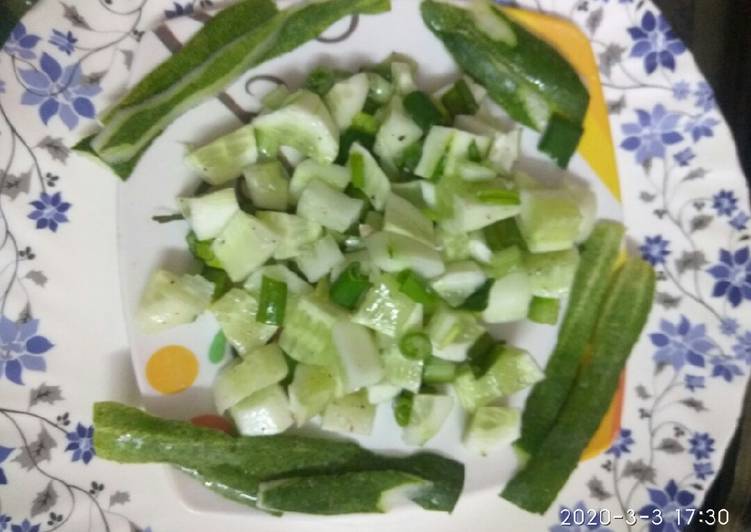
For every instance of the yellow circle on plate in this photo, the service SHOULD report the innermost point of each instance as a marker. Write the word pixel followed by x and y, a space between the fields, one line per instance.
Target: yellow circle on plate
pixel 172 369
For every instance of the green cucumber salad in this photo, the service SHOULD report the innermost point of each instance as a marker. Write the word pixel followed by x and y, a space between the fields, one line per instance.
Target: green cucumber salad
pixel 356 240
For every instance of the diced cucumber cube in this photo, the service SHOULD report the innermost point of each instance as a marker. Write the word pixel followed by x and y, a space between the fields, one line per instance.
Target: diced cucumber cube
pixel 170 300
pixel 403 76
pixel 332 209
pixel 386 309
pixel 243 245
pixel 551 274
pixel 504 150
pixel 268 185
pixel 346 98
pixel 223 159
pixel 319 258
pixel 548 220
pixel 311 389
pixel 459 150
pixel 403 218
pixel 491 426
pixel 243 377
pixel 306 335
pixel 509 298
pixel 264 413
pixel 303 123
pixel 452 333
pixel 410 191
pixel 470 213
pixel 393 253
pixel 208 214
pixel 434 152
pixel 429 412
pixel 351 413
pixel 375 183
pixel 382 392
pixel 402 372
pixel 337 177
pixel 236 313
pixel 294 233
pixel 397 132
pixel 459 281
pixel 358 357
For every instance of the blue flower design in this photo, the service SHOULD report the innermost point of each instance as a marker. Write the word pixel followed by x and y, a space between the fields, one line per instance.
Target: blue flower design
pixel 4 453
pixel 654 250
pixel 700 127
pixel 20 43
pixel 4 521
pixel 65 42
pixel 678 344
pixel 621 445
pixel 655 41
pixel 704 96
pixel 651 133
pixel 702 445
pixel 681 90
pixel 49 211
pixel 684 157
pixel 742 348
pixel 593 523
pixel 179 10
pixel 703 470
pixel 81 443
pixel 740 221
pixel 725 203
pixel 21 348
pixel 694 382
pixel 729 326
pixel 668 502
pixel 725 368
pixel 733 276
pixel 59 91
pixel 25 526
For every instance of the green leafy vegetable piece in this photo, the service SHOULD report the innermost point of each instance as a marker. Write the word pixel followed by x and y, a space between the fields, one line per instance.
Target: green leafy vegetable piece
pixel 272 301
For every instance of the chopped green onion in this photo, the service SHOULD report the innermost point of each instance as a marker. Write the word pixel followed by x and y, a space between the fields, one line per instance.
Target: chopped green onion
pixel 498 196
pixel 272 302
pixel 544 310
pixel 480 356
pixel 349 287
pixel 321 79
pixel 478 301
pixel 366 123
pixel 222 282
pixel 422 110
pixel 415 345
pixel 411 156
pixel 357 168
pixel 560 139
pixel 348 138
pixel 438 371
pixel 458 100
pixel 383 70
pixel 417 289
pixel 503 234
pixel 167 218
pixel 474 152
pixel 201 250
pixel 403 408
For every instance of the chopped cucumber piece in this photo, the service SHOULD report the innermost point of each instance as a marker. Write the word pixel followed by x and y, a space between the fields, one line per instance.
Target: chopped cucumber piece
pixel 491 426
pixel 415 345
pixel 504 150
pixel 303 123
pixel 403 77
pixel 434 152
pixel 386 309
pixel 505 261
pixel 275 98
pixel 380 89
pixel 279 272
pixel 438 371
pixel 504 234
pixel 548 220
pixel 366 267
pixel 346 98
pixel 224 159
pixel 311 389
pixel 471 206
pixel 427 417
pixel 263 413
pixel 306 335
pixel 460 148
pixel 472 171
pixel 513 370
pixel 208 214
pixel 544 310
pixel 268 185
pixel 293 232
pixel 322 204
pixel 351 413
pixel 397 132
pixel 371 179
pixel 460 246
pixel 460 281
pixel 394 253
pixel 170 300
pixel 244 244
pixel 358 357
pixel 401 371
pixel 319 258
pixel 452 333
pixel 551 274
pixel 382 392
pixel 236 313
pixel 509 298
pixel 243 377
pixel 337 177
pixel 410 191
pixel 403 218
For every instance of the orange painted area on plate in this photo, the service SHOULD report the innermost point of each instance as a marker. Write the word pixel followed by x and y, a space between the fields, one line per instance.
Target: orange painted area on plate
pixel 172 369
pixel 596 147
pixel 213 421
